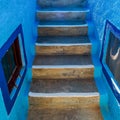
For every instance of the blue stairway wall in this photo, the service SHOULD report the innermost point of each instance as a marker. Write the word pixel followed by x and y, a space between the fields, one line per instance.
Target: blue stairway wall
pixel 12 14
pixel 102 10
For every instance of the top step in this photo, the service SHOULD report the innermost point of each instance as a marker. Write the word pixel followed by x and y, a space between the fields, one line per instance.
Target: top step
pixel 61 3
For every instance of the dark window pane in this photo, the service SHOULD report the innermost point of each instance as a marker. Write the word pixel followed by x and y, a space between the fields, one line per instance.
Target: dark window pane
pixel 113 56
pixel 8 63
pixel 12 64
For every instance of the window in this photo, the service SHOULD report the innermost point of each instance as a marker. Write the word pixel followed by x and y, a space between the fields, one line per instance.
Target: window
pixel 110 58
pixel 13 67
pixel 12 64
pixel 113 56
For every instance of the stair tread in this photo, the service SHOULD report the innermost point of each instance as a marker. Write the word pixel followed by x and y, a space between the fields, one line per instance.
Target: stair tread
pixel 61 85
pixel 63 39
pixel 62 16
pixel 64 9
pixel 63 60
pixel 77 22
pixel 61 3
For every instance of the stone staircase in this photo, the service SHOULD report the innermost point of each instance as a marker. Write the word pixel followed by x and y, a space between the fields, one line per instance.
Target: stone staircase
pixel 63 86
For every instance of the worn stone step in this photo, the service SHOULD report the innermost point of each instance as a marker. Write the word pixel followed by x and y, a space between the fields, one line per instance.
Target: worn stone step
pixel 63 49
pixel 63 71
pixel 62 16
pixel 62 30
pixel 61 3
pixel 63 39
pixel 63 86
pixel 65 114
pixel 64 9
pixel 61 23
pixel 62 60
pixel 63 100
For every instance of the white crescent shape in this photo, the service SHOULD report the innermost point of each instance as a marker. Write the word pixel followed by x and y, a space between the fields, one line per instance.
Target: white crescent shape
pixel 114 57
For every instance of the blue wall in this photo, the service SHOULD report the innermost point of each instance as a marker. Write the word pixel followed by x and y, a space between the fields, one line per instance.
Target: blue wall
pixel 12 14
pixel 102 10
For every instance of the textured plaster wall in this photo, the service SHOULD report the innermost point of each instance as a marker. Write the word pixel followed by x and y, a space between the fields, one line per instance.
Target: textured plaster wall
pixel 101 11
pixel 13 13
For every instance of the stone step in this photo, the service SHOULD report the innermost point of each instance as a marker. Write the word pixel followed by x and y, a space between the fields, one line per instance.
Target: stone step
pixel 62 23
pixel 62 67
pixel 61 3
pixel 63 49
pixel 63 86
pixel 63 71
pixel 65 114
pixel 63 9
pixel 63 100
pixel 62 30
pixel 62 16
pixel 63 40
pixel 62 60
pixel 62 106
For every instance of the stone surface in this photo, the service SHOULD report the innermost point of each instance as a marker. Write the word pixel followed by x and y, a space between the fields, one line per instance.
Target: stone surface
pixel 63 100
pixel 65 114
pixel 63 72
pixel 62 15
pixel 63 30
pixel 63 49
pixel 61 3
pixel 62 23
pixel 61 85
pixel 63 60
pixel 63 39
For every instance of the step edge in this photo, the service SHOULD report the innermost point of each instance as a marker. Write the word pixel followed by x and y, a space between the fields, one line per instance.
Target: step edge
pixel 62 11
pixel 89 94
pixel 55 26
pixel 61 66
pixel 59 44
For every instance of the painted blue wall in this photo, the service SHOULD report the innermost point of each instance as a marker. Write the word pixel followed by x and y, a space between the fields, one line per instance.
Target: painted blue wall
pixel 12 14
pixel 102 10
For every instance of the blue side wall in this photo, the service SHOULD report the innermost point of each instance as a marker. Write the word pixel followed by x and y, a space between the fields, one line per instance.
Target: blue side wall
pixel 102 10
pixel 12 14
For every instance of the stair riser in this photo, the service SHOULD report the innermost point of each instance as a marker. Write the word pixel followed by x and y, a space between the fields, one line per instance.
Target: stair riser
pixel 65 114
pixel 61 3
pixel 63 50
pixel 61 16
pixel 62 31
pixel 63 73
pixel 64 102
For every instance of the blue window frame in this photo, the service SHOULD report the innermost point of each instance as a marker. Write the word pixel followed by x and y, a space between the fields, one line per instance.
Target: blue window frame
pixel 110 58
pixel 13 65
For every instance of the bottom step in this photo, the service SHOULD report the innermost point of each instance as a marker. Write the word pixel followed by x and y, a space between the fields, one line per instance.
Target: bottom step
pixel 65 114
pixel 62 106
